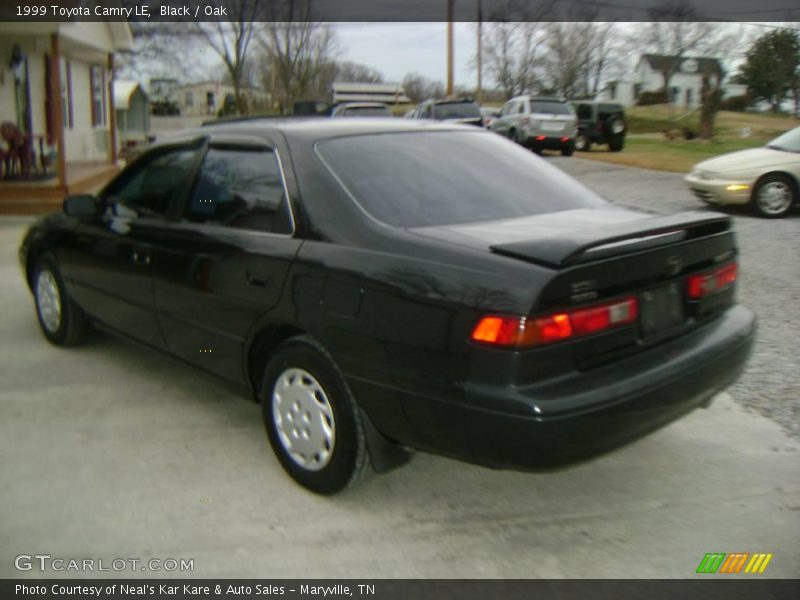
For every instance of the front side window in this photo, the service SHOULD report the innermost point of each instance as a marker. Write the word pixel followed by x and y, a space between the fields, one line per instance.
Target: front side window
pixel 241 189
pixel 150 185
pixel 424 179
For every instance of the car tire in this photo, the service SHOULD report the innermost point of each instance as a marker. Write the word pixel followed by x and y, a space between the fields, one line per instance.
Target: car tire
pixel 312 420
pixel 615 126
pixel 616 144
pixel 582 143
pixel 568 150
pixel 512 135
pixel 774 195
pixel 62 321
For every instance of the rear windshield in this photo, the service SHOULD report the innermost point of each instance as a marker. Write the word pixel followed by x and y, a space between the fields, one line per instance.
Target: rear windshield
pixel 456 110
pixel 422 179
pixel 367 111
pixel 550 106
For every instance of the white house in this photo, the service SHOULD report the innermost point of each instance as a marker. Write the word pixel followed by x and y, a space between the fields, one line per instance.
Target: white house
pixel 207 97
pixel 55 86
pixel 685 85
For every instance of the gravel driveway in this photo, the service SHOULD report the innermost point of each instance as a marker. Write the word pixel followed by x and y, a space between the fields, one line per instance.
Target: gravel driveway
pixel 769 279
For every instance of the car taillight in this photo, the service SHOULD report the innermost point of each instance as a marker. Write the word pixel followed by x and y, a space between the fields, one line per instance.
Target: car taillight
pixel 705 284
pixel 523 332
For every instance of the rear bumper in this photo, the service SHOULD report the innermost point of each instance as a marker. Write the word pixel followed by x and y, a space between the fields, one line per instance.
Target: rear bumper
pixel 550 143
pixel 582 415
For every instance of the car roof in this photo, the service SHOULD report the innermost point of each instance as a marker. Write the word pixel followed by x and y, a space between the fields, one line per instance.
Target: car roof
pixel 606 102
pixel 450 101
pixel 362 105
pixel 312 128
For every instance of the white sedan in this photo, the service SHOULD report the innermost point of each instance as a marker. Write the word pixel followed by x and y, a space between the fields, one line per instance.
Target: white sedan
pixel 768 178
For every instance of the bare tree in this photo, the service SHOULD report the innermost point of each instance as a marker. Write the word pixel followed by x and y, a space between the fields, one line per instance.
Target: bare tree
pixel 578 55
pixel 231 39
pixel 511 55
pixel 418 87
pixel 355 72
pixel 511 42
pixel 296 52
pixel 163 49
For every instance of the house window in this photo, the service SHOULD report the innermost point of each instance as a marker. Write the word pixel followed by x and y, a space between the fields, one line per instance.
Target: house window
pixel 66 94
pixel 688 96
pixel 98 95
pixel 189 99
pixel 612 91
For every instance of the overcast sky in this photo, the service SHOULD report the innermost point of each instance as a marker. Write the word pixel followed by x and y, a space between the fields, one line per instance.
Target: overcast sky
pixel 395 49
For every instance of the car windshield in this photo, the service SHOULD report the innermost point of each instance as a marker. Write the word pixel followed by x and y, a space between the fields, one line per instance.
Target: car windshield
pixel 789 141
pixel 550 106
pixel 367 111
pixel 456 110
pixel 421 179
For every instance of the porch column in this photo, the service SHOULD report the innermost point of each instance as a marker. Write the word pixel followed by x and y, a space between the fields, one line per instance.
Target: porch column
pixel 55 103
pixel 112 117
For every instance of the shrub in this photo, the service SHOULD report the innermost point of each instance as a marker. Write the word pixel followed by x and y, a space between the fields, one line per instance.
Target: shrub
pixel 735 103
pixel 650 98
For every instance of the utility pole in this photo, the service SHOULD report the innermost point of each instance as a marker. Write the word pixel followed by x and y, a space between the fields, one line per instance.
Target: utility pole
pixel 449 47
pixel 480 55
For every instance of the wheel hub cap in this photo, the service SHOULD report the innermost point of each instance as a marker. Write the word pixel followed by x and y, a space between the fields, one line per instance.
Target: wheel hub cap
pixel 774 197
pixel 48 301
pixel 303 418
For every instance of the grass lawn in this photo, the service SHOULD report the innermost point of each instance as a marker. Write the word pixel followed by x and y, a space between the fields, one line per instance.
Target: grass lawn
pixel 647 147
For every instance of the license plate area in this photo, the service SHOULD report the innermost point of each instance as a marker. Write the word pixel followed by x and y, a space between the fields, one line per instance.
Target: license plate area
pixel 660 310
pixel 552 126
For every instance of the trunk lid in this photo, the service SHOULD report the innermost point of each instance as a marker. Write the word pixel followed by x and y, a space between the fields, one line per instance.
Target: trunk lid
pixel 599 255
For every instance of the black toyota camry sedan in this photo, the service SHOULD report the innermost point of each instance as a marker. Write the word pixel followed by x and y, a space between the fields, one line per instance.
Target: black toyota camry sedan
pixel 387 285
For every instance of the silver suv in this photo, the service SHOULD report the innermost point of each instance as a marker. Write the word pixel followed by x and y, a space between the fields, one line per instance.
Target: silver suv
pixel 538 123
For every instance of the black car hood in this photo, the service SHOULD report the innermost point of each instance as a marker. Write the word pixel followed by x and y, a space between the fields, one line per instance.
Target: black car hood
pixel 559 238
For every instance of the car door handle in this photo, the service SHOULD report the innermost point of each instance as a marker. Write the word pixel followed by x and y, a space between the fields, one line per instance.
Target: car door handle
pixel 256 281
pixel 140 258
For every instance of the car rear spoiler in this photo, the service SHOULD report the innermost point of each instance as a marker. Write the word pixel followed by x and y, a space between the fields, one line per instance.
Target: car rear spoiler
pixel 588 244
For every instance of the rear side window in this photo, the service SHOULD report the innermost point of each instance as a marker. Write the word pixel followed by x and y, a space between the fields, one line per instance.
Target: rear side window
pixel 423 179
pixel 241 189
pixel 456 110
pixel 607 110
pixel 552 107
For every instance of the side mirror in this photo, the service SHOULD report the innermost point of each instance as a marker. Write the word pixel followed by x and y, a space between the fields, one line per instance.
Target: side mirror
pixel 83 205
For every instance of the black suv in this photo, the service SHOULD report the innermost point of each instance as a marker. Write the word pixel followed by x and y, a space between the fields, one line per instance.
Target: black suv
pixel 600 123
